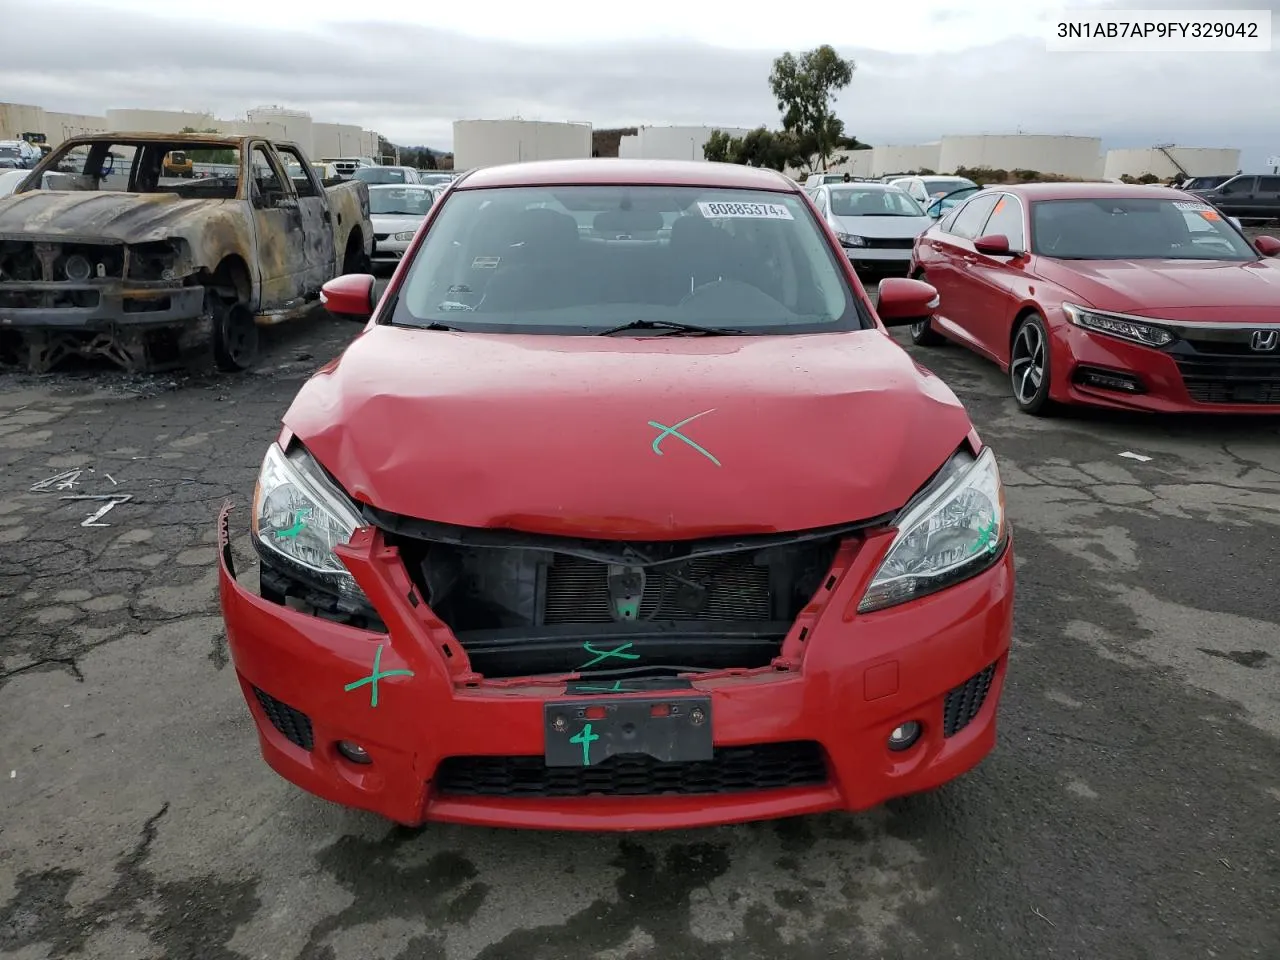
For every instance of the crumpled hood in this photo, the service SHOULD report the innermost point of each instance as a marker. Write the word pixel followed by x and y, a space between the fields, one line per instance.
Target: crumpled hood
pixel 106 214
pixel 1174 289
pixel 885 228
pixel 565 435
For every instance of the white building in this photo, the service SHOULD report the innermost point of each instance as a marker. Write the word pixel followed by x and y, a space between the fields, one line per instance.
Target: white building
pixel 671 143
pixel 1066 156
pixel 277 123
pixel 484 143
pixel 1160 161
pixel 904 158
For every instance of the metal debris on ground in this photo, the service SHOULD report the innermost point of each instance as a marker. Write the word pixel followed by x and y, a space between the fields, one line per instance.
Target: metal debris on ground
pixel 1135 456
pixel 111 500
pixel 62 481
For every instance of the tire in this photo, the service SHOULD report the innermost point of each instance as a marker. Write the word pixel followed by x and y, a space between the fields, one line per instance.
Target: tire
pixel 235 336
pixel 1029 367
pixel 922 332
pixel 355 260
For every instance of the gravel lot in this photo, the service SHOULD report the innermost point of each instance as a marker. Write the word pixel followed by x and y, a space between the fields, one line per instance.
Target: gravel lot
pixel 1129 811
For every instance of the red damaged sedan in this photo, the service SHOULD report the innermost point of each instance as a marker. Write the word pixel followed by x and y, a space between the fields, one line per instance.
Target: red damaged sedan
pixel 623 512
pixel 1131 297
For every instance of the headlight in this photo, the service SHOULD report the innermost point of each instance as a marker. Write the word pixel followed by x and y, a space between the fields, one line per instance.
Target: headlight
pixel 300 516
pixel 849 240
pixel 406 235
pixel 1114 325
pixel 955 531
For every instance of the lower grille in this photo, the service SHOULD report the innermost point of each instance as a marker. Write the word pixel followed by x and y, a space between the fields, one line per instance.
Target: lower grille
pixel 766 766
pixel 708 588
pixel 890 243
pixel 965 701
pixel 1212 375
pixel 381 236
pixel 294 725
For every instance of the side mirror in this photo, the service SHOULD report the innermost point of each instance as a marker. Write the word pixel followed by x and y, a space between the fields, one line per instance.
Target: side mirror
pixel 934 210
pixel 1267 246
pixel 993 245
pixel 349 296
pixel 904 301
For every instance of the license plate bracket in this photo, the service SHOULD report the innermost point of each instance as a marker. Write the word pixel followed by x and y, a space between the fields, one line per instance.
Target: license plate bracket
pixel 583 733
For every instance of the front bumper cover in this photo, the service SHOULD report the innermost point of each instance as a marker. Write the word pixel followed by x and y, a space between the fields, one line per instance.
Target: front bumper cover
pixel 852 679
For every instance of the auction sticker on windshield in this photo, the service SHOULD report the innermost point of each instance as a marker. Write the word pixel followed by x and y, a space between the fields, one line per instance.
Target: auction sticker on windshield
pixel 748 211
pixel 1194 207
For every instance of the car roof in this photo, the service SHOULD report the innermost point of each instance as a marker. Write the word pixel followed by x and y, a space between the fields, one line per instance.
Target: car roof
pixel 861 185
pixel 1090 191
pixel 614 171
pixel 398 186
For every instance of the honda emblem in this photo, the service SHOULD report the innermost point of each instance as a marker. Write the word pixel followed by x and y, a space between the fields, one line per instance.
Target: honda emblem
pixel 1263 340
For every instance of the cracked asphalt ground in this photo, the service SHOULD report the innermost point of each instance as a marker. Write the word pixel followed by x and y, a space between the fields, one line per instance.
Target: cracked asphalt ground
pixel 1129 811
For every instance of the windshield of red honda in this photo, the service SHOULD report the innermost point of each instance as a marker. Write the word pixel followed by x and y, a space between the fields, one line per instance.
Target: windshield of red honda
pixel 1134 229
pixel 587 259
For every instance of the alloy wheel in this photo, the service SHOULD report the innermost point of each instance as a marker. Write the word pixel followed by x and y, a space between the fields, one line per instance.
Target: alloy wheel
pixel 1027 363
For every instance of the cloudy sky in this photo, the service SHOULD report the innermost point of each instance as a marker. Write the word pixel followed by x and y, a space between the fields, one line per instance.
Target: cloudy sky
pixel 925 68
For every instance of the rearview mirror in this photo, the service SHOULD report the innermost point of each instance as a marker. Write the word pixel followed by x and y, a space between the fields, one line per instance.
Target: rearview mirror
pixel 1267 246
pixel 994 245
pixel 349 296
pixel 904 301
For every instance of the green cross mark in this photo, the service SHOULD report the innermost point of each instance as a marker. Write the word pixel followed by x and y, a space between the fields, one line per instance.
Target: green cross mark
pixel 601 655
pixel 615 687
pixel 674 431
pixel 374 677
pixel 299 524
pixel 986 538
pixel 585 738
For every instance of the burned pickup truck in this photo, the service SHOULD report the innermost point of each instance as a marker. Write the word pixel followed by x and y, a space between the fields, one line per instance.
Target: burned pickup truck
pixel 103 254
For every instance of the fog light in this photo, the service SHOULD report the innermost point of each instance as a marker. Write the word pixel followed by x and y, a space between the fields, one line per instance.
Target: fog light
pixel 904 736
pixel 354 752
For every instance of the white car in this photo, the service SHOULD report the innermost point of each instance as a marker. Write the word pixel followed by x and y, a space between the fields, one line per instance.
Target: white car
pixel 9 180
pixel 924 190
pixel 396 211
pixel 388 174
pixel 876 224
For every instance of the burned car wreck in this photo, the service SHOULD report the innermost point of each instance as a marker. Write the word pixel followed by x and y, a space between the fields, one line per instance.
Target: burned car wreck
pixel 102 254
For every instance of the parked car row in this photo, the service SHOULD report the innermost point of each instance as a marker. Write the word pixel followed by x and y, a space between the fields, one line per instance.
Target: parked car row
pixel 1131 297
pixel 18 155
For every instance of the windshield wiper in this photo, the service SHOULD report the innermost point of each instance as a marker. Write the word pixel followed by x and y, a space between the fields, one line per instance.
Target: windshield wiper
pixel 673 325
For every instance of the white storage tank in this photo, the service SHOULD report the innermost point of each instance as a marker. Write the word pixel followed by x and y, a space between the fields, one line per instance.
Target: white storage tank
pixel 158 121
pixel 337 140
pixel 674 143
pixel 1066 156
pixel 484 143
pixel 292 125
pixel 1196 161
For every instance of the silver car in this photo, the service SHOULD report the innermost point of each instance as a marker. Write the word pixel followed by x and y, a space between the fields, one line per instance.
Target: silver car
pixel 876 224
pixel 372 175
pixel 396 211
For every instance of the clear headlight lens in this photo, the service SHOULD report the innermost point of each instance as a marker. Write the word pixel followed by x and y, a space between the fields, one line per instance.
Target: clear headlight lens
pixel 955 531
pixel 300 516
pixel 1126 328
pixel 406 235
pixel 849 240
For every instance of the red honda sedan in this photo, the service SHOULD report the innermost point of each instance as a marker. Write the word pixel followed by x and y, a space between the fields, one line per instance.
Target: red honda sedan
pixel 623 512
pixel 1132 297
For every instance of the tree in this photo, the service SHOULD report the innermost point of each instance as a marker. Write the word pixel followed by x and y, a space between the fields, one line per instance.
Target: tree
pixel 805 87
pixel 721 148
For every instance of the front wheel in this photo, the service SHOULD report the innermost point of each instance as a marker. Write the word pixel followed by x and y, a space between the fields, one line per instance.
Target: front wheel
pixel 922 332
pixel 1029 367
pixel 235 336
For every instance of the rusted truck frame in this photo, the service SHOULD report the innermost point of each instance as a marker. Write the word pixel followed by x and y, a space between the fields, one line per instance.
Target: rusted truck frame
pixel 156 274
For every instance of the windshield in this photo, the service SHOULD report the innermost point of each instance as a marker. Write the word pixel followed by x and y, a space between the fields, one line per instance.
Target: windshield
pixel 853 202
pixel 948 201
pixel 8 150
pixel 380 175
pixel 404 201
pixel 1137 229
pixel 938 187
pixel 580 260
